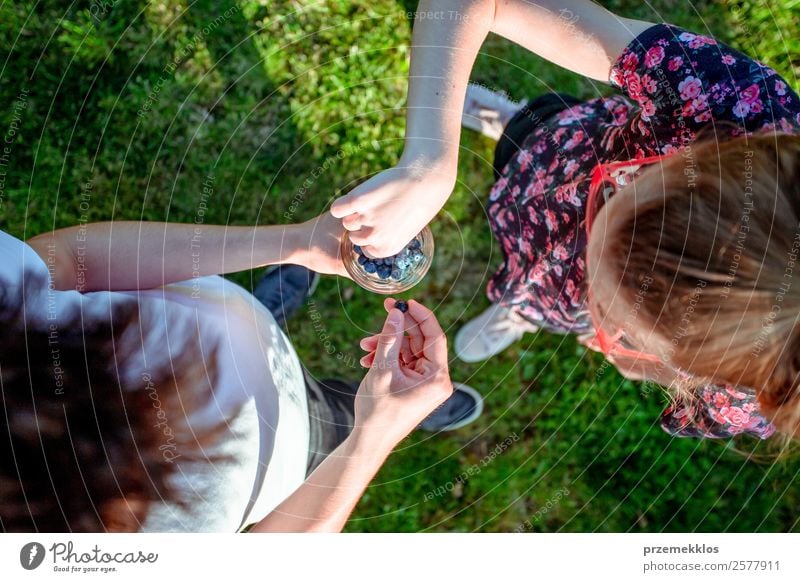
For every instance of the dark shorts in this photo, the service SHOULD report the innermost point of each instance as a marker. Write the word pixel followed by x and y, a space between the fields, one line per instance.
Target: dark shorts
pixel 525 122
pixel 330 412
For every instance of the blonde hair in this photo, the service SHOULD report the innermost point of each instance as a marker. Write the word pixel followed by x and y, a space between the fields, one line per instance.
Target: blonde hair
pixel 721 247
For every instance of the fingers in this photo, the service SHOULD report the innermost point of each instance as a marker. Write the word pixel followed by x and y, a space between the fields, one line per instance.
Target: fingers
pixel 352 222
pixel 407 354
pixel 362 236
pixel 345 205
pixel 425 338
pixel 415 338
pixel 362 232
pixel 367 360
pixel 434 342
pixel 416 342
pixel 372 244
pixel 391 339
pixel 369 344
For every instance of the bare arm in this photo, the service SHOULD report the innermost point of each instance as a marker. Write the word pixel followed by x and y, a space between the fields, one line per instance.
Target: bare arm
pixel 142 255
pixel 385 212
pixel 327 498
pixel 578 35
pixel 395 396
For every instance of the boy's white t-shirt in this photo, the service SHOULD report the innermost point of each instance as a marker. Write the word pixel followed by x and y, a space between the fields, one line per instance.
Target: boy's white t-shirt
pixel 259 390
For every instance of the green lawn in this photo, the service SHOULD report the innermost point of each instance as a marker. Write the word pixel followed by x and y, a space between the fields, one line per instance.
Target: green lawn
pixel 130 107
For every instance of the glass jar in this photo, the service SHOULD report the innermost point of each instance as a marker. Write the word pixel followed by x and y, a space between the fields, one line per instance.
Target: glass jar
pixel 394 274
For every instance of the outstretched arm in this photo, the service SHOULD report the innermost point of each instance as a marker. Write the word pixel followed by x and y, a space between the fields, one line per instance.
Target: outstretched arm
pixel 576 34
pixel 385 212
pixel 122 255
pixel 403 386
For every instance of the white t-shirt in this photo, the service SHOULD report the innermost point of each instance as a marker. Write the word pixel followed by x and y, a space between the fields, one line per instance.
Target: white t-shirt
pixel 259 390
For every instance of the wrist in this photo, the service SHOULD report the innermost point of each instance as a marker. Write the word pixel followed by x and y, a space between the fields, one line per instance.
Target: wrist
pixel 369 444
pixel 430 157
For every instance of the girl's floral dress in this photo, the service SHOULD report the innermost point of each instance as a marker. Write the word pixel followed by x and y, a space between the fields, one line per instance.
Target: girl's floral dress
pixel 675 83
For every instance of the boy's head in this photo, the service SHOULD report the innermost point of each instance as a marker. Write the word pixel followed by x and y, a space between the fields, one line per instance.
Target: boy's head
pixel 81 449
pixel 696 261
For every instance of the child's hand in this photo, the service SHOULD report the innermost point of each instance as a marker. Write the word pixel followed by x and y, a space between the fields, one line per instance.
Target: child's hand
pixel 318 243
pixel 391 208
pixel 408 376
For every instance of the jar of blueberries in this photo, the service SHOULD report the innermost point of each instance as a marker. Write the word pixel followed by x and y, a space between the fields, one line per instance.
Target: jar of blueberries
pixel 393 274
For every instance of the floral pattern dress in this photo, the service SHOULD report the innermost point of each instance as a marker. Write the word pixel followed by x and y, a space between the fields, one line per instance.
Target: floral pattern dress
pixel 674 84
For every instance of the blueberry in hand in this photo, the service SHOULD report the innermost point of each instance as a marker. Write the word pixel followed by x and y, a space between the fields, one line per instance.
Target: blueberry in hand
pixel 401 305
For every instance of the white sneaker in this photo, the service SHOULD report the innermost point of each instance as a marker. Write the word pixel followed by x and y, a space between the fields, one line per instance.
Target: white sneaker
pixel 490 333
pixel 487 112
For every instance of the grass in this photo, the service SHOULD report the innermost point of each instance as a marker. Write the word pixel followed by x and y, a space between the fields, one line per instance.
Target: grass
pixel 262 99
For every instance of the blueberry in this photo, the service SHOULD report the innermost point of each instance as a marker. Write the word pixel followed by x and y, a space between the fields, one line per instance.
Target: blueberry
pixel 358 250
pixel 370 267
pixel 401 305
pixel 414 244
pixel 362 260
pixel 397 274
pixel 401 263
pixel 384 272
pixel 388 261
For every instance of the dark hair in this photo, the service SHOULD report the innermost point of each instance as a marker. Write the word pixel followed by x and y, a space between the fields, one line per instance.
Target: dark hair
pixel 721 251
pixel 81 449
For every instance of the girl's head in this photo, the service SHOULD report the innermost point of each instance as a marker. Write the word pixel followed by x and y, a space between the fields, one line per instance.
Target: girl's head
pixel 697 262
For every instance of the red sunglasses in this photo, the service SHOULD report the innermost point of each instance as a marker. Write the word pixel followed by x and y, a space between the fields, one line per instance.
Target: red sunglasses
pixel 606 179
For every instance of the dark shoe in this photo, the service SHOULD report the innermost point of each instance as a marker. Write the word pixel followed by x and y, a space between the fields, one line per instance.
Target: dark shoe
pixel 464 406
pixel 284 289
